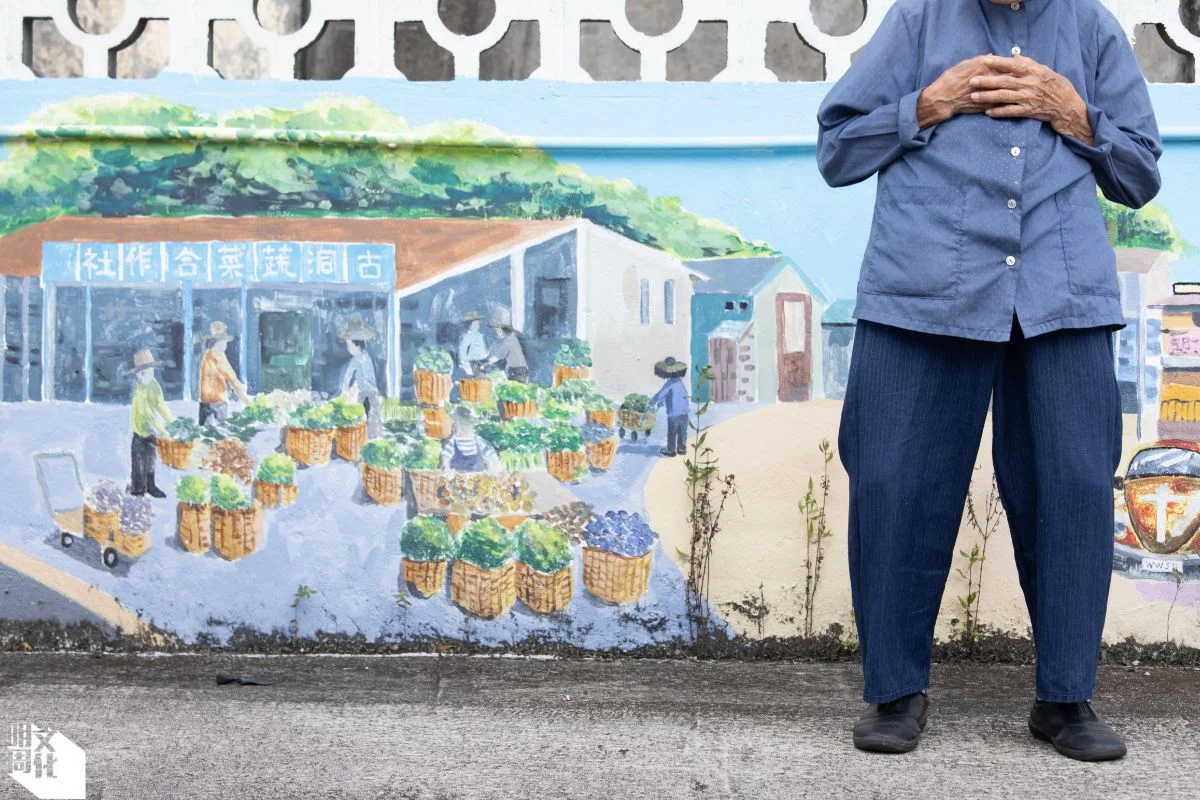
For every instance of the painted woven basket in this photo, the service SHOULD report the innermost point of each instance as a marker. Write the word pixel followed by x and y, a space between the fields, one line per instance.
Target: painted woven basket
pixel 528 408
pixel 309 447
pixel 384 486
pixel 566 465
pixel 475 390
pixel 174 453
pixel 615 578
pixel 605 417
pixel 236 533
pixel 601 454
pixel 510 521
pixel 424 484
pixel 438 424
pixel 427 578
pixel 545 592
pixel 194 524
pixel 275 495
pixel 433 388
pixel 485 593
pixel 349 441
pixel 101 526
pixel 132 543
pixel 562 373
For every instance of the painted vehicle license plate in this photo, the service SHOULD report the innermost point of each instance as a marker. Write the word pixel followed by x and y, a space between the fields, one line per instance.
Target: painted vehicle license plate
pixel 1161 565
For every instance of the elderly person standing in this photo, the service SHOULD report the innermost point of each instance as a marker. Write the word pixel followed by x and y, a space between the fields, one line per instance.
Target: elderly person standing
pixel 148 417
pixel 217 376
pixel 358 376
pixel 988 278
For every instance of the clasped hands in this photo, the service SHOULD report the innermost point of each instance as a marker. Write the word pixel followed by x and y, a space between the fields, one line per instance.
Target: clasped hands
pixel 1002 88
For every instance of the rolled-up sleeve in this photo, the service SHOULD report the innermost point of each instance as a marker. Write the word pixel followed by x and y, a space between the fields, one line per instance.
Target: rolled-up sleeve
pixel 869 117
pixel 1126 143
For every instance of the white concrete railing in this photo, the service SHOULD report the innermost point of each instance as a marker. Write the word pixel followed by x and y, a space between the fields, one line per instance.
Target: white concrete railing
pixel 559 30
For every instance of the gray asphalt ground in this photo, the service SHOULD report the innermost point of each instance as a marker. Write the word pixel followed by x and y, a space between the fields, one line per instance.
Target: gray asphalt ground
pixel 459 727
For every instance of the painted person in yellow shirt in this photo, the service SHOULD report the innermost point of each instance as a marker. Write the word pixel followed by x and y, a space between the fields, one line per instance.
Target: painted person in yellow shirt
pixel 149 417
pixel 217 376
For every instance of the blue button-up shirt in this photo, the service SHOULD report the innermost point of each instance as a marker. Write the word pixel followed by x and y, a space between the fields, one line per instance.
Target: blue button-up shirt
pixel 977 219
pixel 673 395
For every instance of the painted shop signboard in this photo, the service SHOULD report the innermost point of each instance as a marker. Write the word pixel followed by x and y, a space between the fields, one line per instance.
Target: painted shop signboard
pixel 416 382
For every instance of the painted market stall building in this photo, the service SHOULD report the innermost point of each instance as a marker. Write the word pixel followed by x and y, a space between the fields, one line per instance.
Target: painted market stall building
pixel 83 293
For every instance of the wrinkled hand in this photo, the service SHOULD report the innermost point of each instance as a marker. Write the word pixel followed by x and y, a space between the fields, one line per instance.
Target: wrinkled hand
pixel 951 93
pixel 1021 87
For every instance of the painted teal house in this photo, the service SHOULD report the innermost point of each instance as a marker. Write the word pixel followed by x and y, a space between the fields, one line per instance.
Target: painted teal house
pixel 756 321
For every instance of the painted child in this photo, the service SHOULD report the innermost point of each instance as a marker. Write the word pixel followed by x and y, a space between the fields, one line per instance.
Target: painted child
pixel 673 395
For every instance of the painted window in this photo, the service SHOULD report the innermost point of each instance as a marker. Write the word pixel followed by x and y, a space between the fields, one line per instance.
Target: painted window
pixel 669 302
pixel 645 301
pixel 70 345
pixel 729 305
pixel 744 305
pixel 793 326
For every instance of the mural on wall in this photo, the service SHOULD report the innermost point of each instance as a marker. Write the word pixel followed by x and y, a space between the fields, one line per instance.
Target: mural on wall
pixel 418 391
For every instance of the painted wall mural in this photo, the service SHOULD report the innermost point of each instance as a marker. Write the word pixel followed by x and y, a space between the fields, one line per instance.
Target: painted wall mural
pixel 269 368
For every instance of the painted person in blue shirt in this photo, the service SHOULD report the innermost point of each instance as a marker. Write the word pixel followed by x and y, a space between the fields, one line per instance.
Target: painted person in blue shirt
pixel 988 279
pixel 673 395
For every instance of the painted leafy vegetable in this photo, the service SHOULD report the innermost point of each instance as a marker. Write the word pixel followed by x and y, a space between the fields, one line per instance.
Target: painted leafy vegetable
pixel 557 410
pixel 563 437
pixel 636 402
pixel 104 497
pixel 620 532
pixel 574 353
pixel 486 544
pixel 425 454
pixel 230 457
pixel 312 417
pixel 435 359
pixel 597 402
pixel 401 432
pixel 137 514
pixel 277 468
pixel 192 489
pixel 573 392
pixel 183 429
pixel 426 538
pixel 346 414
pixel 543 547
pixel 228 494
pixel 383 454
pixel 516 392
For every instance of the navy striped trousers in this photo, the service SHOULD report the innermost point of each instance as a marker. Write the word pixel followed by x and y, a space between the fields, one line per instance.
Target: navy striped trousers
pixel 910 431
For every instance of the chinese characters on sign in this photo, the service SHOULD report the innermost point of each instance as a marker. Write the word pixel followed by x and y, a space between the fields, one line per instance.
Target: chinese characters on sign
pixel 236 263
pixel 46 762
pixel 1184 342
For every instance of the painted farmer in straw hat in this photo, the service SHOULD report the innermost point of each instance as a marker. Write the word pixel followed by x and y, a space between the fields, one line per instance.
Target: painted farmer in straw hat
pixel 673 395
pixel 149 417
pixel 359 375
pixel 217 376
pixel 509 350
pixel 472 349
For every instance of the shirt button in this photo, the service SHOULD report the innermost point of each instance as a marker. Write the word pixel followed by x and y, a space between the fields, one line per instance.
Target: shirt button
pixel 1016 51
pixel 1012 203
pixel 1015 6
pixel 1011 261
pixel 1016 151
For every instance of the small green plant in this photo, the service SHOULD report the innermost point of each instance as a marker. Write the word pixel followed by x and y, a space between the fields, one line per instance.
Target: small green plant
pixel 302 593
pixel 485 544
pixel 227 494
pixel 192 489
pixel 183 429
pixel 993 513
pixel 574 353
pixel 563 437
pixel 426 538
pixel 543 547
pixel 312 417
pixel 557 410
pixel 1178 575
pixel 382 454
pixel 816 530
pixel 516 392
pixel 594 401
pixel 423 455
pixel 637 402
pixel 346 414
pixel 277 468
pixel 754 608
pixel 435 359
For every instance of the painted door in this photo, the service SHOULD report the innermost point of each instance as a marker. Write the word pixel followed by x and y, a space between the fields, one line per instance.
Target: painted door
pixel 793 337
pixel 722 354
pixel 286 338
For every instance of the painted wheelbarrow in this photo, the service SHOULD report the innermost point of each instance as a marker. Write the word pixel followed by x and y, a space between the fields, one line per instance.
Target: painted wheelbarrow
pixel 62 489
pixel 634 422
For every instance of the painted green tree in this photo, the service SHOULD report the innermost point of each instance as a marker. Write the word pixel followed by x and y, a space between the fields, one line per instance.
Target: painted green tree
pixel 1148 227
pixel 176 172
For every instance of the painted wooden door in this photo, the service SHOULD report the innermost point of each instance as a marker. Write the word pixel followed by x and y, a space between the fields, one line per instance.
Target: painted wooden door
pixel 722 354
pixel 793 338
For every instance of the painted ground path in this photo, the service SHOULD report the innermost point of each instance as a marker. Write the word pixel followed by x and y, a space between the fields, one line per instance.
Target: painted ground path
pixel 345 549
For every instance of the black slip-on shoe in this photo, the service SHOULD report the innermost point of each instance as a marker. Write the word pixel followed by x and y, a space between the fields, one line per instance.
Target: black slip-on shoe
pixel 1076 731
pixel 893 727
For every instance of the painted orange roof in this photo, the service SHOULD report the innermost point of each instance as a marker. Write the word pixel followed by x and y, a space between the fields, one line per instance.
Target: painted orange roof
pixel 425 248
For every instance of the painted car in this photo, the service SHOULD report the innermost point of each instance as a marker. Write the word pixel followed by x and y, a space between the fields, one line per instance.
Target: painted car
pixel 1161 493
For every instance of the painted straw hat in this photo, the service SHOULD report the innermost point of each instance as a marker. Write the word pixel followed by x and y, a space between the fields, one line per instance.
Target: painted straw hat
pixel 144 359
pixel 502 319
pixel 356 330
pixel 216 331
pixel 670 368
pixel 472 316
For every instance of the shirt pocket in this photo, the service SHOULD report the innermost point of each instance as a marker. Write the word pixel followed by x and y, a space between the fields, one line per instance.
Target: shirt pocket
pixel 916 242
pixel 1085 242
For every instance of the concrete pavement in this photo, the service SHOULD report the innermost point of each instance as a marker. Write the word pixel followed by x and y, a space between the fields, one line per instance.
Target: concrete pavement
pixel 458 727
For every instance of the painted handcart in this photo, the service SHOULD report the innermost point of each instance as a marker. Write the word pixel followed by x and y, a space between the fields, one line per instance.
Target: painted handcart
pixel 634 423
pixel 62 490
